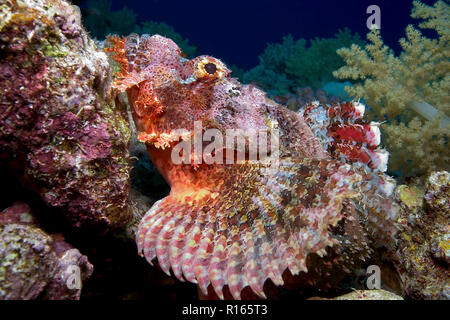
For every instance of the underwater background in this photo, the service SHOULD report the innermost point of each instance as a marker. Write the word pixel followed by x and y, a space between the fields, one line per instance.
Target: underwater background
pixel 237 32
pixel 74 174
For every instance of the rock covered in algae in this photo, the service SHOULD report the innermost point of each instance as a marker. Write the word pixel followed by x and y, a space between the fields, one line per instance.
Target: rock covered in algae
pixel 58 122
pixel 424 245
pixel 34 264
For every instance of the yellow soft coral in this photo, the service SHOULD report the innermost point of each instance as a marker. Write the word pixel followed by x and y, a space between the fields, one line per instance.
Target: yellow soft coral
pixel 410 91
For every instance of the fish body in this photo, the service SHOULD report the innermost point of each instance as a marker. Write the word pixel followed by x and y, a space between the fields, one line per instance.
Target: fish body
pixel 238 223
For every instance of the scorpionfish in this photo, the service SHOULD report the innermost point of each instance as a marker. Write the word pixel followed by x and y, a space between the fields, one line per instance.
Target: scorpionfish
pixel 236 225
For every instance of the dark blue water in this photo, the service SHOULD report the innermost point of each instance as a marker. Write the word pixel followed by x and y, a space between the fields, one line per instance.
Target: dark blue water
pixel 237 31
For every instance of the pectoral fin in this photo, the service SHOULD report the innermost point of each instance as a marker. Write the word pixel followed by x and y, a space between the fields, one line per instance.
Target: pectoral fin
pixel 252 223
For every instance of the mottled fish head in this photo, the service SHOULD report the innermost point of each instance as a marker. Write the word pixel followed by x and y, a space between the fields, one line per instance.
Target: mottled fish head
pixel 169 93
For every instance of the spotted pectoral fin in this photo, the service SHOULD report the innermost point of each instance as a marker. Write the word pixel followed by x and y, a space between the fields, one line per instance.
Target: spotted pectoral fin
pixel 252 223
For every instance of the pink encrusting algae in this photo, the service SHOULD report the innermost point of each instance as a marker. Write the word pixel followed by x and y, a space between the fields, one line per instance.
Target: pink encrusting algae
pixel 238 225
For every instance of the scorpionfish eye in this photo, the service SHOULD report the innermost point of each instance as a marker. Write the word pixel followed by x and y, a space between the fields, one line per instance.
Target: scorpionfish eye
pixel 209 68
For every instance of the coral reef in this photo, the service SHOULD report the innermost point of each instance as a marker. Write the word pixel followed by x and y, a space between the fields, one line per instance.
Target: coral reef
pixel 230 226
pixel 60 130
pixel 34 264
pixel 310 218
pixel 293 63
pixel 409 91
pixel 424 239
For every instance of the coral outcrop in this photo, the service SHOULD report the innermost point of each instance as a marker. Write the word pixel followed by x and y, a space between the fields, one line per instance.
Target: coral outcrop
pixel 34 264
pixel 424 240
pixel 409 91
pixel 59 127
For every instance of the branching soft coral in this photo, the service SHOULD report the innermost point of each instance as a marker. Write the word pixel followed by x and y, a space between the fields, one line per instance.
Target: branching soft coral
pixel 409 91
pixel 294 63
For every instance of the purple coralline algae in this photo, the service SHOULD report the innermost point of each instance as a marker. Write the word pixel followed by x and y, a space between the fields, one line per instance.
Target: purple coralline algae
pixel 60 129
